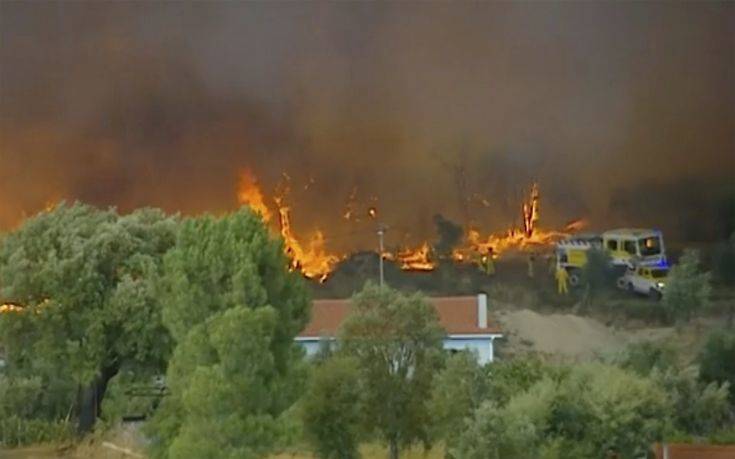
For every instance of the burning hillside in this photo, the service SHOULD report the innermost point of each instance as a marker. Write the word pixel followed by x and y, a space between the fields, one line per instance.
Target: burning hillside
pixel 315 261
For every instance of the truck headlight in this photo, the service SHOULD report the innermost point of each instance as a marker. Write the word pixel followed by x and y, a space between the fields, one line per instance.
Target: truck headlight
pixel 660 284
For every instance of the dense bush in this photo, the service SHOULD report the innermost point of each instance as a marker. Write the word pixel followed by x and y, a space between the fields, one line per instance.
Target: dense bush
pixel 331 409
pixel 591 411
pixel 25 418
pixel 598 275
pixel 687 289
pixel 457 391
pixel 717 360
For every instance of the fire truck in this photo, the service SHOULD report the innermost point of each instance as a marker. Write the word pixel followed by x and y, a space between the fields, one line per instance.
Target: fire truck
pixel 628 248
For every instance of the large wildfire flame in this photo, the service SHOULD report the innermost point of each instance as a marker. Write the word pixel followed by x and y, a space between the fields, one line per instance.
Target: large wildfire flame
pixel 315 262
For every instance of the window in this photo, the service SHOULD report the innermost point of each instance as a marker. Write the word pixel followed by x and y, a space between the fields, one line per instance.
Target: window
pixel 612 244
pixel 650 246
pixel 629 246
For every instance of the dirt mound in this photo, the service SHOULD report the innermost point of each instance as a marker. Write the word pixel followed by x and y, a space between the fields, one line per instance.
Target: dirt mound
pixel 567 335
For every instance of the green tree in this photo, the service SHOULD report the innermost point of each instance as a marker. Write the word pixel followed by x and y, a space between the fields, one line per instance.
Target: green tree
pixel 688 289
pixel 699 408
pixel 592 410
pixel 83 276
pixel 221 377
pixel 233 309
pixel 598 275
pixel 644 357
pixel 507 378
pixel 331 409
pixel 397 342
pixel 457 391
pixel 717 360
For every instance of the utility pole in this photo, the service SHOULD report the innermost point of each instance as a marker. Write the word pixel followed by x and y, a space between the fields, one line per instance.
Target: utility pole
pixel 381 234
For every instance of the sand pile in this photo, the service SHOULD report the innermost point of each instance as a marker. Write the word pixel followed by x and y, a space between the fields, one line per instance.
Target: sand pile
pixel 567 335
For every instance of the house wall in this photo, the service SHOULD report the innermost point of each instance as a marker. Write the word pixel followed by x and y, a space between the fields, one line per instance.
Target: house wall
pixel 481 347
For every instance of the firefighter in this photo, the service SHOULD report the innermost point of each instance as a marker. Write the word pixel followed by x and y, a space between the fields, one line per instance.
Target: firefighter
pixel 562 278
pixel 486 263
pixel 489 262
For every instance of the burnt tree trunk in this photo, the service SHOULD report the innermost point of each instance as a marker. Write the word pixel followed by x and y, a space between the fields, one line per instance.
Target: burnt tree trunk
pixel 90 399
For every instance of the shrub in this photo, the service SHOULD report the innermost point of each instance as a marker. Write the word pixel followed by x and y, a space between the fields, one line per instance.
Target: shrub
pixel 457 391
pixel 331 409
pixel 687 290
pixel 717 360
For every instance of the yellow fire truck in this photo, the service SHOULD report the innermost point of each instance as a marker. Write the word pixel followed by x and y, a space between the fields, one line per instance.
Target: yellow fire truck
pixel 627 247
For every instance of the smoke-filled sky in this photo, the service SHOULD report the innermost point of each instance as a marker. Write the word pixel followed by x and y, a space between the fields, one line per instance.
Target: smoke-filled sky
pixel 420 108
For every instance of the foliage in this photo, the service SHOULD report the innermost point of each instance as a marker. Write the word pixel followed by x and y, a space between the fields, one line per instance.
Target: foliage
pixel 16 431
pixel 23 415
pixel 331 409
pixel 131 393
pixel 646 356
pixel 457 391
pixel 221 378
pixel 233 310
pixel 507 378
pixel 687 289
pixel 83 276
pixel 598 274
pixel 699 409
pixel 590 411
pixel 724 261
pixel 397 342
pixel 717 360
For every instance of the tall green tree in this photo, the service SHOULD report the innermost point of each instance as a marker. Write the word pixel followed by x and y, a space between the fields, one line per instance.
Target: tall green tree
pixel 397 342
pixel 233 309
pixel 83 276
pixel 688 289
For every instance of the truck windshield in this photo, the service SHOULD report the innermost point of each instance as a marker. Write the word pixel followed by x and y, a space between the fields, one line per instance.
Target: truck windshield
pixel 650 246
pixel 659 273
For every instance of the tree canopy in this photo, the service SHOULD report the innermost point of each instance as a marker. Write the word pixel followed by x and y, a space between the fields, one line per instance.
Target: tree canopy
pixel 233 310
pixel 84 279
pixel 397 342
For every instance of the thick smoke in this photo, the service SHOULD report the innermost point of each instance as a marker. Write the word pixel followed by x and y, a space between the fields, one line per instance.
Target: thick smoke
pixel 422 109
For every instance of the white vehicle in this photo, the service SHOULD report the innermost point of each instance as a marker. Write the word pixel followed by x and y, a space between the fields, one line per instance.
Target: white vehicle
pixel 645 280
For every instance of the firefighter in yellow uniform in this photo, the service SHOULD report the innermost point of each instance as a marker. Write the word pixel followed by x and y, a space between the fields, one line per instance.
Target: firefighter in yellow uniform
pixel 562 278
pixel 487 264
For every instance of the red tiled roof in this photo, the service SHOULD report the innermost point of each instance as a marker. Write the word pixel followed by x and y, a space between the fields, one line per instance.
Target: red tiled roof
pixel 682 451
pixel 457 314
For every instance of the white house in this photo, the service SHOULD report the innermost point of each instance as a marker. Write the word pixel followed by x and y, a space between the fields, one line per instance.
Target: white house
pixel 465 319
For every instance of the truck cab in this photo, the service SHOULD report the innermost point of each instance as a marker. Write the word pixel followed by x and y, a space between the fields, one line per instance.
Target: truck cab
pixel 635 247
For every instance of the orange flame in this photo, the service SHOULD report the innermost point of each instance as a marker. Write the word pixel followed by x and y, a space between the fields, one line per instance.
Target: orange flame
pixel 314 262
pixel 248 193
pixel 416 259
pixel 530 236
pixel 10 307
